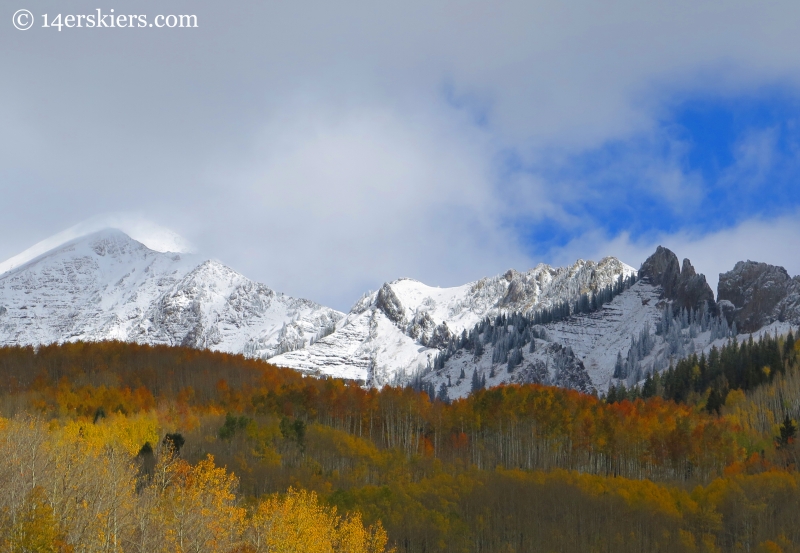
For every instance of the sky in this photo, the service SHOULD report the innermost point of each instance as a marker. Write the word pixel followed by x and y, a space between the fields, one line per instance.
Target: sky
pixel 326 147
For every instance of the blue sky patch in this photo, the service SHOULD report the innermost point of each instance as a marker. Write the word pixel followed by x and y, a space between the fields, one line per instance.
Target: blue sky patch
pixel 710 164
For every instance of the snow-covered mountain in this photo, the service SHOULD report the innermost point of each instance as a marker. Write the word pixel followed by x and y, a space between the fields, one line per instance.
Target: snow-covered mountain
pixel 107 286
pixel 619 344
pixel 619 325
pixel 585 326
pixel 669 313
pixel 392 334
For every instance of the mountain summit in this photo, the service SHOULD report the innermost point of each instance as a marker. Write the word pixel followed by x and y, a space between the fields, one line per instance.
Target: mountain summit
pixel 108 286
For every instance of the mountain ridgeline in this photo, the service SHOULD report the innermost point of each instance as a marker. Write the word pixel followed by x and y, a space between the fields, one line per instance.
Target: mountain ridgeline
pixel 589 326
pixel 675 318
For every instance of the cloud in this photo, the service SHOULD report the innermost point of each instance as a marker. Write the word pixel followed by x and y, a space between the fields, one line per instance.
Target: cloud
pixel 756 155
pixel 324 147
pixel 339 202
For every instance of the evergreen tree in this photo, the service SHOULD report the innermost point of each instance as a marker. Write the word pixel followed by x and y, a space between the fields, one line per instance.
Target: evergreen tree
pixel 442 395
pixel 619 370
pixel 476 382
pixel 649 387
pixel 478 348
pixel 715 401
pixel 514 359
pixel 431 391
pixel 788 345
pixel 788 430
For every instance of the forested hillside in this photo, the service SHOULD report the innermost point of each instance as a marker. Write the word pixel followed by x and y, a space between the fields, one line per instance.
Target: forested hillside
pixel 121 447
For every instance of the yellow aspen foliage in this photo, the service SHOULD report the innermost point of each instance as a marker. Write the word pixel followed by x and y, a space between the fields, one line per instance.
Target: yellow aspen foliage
pixel 128 432
pixel 36 528
pixel 735 398
pixel 354 537
pixel 198 510
pixel 297 523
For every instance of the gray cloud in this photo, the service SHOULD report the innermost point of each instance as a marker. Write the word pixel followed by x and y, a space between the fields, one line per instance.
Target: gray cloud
pixel 324 147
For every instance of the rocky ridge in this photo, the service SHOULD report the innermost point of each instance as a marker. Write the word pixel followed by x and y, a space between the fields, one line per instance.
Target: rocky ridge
pixel 668 314
pixel 391 334
pixel 754 295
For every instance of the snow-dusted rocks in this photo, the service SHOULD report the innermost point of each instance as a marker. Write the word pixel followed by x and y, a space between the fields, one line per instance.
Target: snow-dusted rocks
pixel 578 352
pixel 391 335
pixel 107 286
pixel 680 284
pixel 667 315
pixel 757 294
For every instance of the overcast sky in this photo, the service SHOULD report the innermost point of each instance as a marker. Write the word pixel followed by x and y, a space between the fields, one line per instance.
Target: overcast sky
pixel 325 147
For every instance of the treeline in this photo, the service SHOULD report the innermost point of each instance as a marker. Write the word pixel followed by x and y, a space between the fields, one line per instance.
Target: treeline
pixel 585 303
pixel 678 328
pixel 709 379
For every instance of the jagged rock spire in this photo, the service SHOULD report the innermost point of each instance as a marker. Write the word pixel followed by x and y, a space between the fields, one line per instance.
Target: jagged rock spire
pixel 680 284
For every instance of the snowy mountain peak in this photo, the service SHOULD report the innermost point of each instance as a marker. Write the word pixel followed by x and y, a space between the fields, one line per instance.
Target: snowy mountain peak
pixel 585 326
pixel 143 232
pixel 107 242
pixel 106 285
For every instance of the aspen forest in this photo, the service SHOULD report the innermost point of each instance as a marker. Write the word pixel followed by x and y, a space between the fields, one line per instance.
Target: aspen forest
pixel 118 447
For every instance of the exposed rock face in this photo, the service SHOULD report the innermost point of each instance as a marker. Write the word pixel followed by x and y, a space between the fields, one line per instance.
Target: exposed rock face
pixel 662 269
pixel 441 336
pixel 388 302
pixel 421 327
pixel 757 294
pixel 570 371
pixel 680 284
pixel 533 373
pixel 692 288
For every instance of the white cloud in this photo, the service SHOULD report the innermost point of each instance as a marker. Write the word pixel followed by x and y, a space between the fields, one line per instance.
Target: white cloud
pixel 755 156
pixel 341 202
pixel 309 144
